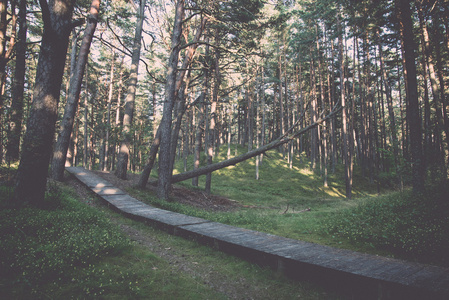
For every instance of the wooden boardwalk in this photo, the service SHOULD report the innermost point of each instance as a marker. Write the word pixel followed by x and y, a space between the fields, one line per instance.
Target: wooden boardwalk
pixel 357 275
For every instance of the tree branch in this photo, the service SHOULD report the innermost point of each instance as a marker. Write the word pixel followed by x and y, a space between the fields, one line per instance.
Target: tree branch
pixel 118 38
pixel 78 22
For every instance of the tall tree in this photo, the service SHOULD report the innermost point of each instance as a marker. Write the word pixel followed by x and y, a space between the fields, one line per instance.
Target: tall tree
pixel 347 153
pixel 62 144
pixel 164 180
pixel 38 141
pixel 213 112
pixel 413 116
pixel 179 79
pixel 15 130
pixel 122 163
pixel 6 51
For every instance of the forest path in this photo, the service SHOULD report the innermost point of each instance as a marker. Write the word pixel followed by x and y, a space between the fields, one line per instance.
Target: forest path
pixel 358 275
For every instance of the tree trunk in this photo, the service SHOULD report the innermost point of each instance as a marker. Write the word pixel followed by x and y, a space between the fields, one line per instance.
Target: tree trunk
pixel 164 181
pixel 435 67
pixel 179 112
pixel 123 157
pixel 72 145
pixel 5 54
pixel 313 108
pixel 37 145
pixel 156 143
pixel 198 139
pixel 181 90
pixel 344 133
pixel 413 117
pixel 108 115
pixel 257 125
pixel 443 89
pixel 14 133
pixel 213 118
pixel 62 144
pixel 86 128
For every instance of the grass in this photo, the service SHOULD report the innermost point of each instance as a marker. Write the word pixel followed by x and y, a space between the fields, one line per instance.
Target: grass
pixel 72 250
pixel 392 223
pixel 416 228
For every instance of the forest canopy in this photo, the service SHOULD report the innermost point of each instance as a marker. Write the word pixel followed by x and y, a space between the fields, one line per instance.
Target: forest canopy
pixel 122 85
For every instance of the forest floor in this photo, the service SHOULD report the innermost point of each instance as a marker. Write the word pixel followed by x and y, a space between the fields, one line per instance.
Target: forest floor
pixel 174 255
pixel 195 198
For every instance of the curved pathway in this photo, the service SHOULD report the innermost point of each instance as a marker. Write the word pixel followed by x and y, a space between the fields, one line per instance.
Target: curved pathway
pixel 357 275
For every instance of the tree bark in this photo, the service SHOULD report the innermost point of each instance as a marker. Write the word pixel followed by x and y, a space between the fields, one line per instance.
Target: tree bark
pixel 108 115
pixel 213 117
pixel 199 130
pixel 181 90
pixel 12 149
pixel 164 181
pixel 413 116
pixel 62 144
pixel 434 68
pixel 73 52
pixel 179 78
pixel 180 109
pixel 5 54
pixel 37 145
pixel 123 157
pixel 344 133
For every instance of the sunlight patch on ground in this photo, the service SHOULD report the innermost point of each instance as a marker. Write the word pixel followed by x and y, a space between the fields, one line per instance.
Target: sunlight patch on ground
pixel 306 171
pixel 333 192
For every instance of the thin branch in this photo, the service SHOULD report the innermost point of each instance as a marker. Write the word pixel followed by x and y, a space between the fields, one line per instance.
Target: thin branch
pixel 110 45
pixel 158 80
pixel 190 17
pixel 118 38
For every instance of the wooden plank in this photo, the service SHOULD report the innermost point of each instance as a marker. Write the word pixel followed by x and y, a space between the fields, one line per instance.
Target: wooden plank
pixel 88 178
pixel 361 276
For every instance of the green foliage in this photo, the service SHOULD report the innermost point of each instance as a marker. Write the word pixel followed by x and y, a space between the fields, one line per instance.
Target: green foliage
pixel 254 219
pixel 74 251
pixel 400 223
pixel 134 274
pixel 41 245
pixel 277 184
pixel 392 224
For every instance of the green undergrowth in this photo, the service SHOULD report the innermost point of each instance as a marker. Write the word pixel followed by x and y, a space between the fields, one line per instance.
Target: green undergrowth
pixel 250 218
pixel 278 184
pixel 293 202
pixel 73 251
pixel 409 226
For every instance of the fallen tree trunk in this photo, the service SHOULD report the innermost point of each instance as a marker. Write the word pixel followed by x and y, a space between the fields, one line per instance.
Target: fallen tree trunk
pixel 229 162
